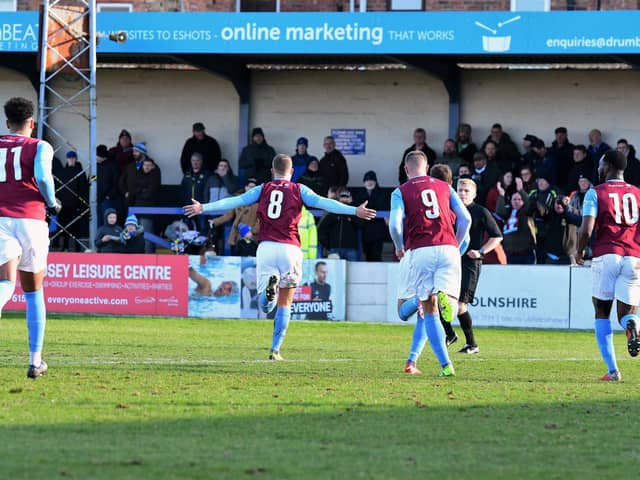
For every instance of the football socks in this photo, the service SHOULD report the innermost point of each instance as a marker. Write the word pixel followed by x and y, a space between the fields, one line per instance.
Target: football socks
pixel 36 320
pixel 604 337
pixel 436 335
pixel 418 340
pixel 626 318
pixel 280 325
pixel 465 323
pixel 408 308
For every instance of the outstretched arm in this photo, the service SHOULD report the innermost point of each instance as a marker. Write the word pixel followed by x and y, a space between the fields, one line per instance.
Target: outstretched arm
pixel 316 201
pixel 42 173
pixel 463 218
pixel 396 218
pixel 247 198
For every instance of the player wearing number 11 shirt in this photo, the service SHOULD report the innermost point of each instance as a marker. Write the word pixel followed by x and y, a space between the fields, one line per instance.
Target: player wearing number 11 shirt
pixel 610 210
pixel 26 188
pixel 421 210
pixel 279 257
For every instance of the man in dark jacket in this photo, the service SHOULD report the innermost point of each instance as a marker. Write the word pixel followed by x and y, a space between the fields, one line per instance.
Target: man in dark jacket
pixel 147 194
pixel 108 194
pixel 312 178
pixel 333 165
pixel 632 172
pixel 194 185
pixel 507 156
pixel 465 146
pixel 485 175
pixel 582 167
pixel 72 189
pixel 203 144
pixel 255 159
pixel 339 233
pixel 108 235
pixel 562 151
pixel 122 152
pixel 374 232
pixel 419 143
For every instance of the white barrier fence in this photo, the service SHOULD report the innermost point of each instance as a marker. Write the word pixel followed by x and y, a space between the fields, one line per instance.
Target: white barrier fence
pixel 536 296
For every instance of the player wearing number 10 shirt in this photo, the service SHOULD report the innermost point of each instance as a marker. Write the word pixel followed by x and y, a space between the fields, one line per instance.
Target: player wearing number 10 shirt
pixel 279 257
pixel 610 210
pixel 422 210
pixel 26 188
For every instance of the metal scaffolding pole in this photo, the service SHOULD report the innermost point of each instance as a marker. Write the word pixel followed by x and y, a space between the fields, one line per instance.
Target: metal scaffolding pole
pixel 68 51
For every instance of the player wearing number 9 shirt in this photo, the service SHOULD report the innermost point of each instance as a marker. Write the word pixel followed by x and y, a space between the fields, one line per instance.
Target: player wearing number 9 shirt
pixel 279 257
pixel 423 207
pixel 610 210
pixel 26 188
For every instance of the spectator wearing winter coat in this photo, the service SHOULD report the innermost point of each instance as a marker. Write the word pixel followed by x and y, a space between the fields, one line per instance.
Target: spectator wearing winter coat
pixel 72 189
pixel 194 185
pixel 301 159
pixel 256 158
pixel 420 144
pixel 595 150
pixel 147 194
pixel 108 235
pixel 128 179
pixel 339 233
pixel 507 156
pixel 464 145
pixel 485 175
pixel 562 151
pixel 582 167
pixel 312 178
pixel 203 144
pixel 222 183
pixel 333 166
pixel 519 234
pixel 108 193
pixel 632 172
pixel 374 232
pixel 246 215
pixel 122 152
pixel 132 237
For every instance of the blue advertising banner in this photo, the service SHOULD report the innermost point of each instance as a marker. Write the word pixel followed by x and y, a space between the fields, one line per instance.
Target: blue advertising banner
pixel 350 141
pixel 504 32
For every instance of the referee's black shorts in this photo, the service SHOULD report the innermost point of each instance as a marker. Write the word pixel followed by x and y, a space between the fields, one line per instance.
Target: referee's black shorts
pixel 470 276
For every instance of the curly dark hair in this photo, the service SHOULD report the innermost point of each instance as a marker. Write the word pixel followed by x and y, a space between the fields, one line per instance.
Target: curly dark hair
pixel 18 111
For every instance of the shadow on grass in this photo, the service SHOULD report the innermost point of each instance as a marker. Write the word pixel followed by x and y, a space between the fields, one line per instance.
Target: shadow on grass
pixel 551 440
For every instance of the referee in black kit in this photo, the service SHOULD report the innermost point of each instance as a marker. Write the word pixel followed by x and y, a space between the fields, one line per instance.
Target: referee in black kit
pixel 482 223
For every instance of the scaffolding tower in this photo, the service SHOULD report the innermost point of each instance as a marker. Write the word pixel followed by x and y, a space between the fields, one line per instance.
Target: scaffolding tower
pixel 68 39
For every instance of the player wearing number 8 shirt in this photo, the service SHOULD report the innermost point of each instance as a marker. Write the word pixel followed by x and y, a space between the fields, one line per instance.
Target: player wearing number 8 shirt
pixel 279 257
pixel 610 210
pixel 423 207
pixel 26 187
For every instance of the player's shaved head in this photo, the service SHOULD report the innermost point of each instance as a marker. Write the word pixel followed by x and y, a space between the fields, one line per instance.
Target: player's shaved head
pixel 442 172
pixel 615 159
pixel 416 163
pixel 282 164
pixel 18 111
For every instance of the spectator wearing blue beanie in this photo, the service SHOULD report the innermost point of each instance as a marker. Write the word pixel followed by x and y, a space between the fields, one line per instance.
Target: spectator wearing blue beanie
pixel 301 159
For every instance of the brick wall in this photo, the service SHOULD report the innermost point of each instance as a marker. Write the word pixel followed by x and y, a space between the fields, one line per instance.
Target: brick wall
pixel 343 5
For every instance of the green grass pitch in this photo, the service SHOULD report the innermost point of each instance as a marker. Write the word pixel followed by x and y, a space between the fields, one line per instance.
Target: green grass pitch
pixel 151 398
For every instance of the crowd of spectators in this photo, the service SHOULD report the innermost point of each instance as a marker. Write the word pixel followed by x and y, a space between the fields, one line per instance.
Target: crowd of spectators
pixel 534 190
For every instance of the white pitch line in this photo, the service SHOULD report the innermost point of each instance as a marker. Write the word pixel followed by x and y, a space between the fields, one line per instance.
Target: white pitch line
pixel 204 361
